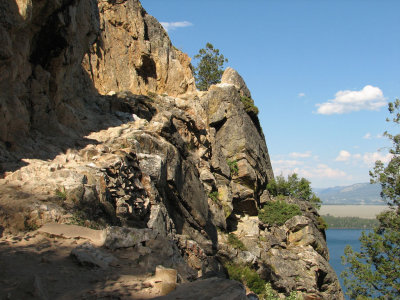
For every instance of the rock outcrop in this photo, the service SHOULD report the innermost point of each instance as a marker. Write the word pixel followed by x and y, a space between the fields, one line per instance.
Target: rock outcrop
pixel 42 46
pixel 103 128
pixel 140 51
pixel 55 54
pixel 212 288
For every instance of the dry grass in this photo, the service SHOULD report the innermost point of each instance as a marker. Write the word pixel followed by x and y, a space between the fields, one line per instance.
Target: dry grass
pixel 361 211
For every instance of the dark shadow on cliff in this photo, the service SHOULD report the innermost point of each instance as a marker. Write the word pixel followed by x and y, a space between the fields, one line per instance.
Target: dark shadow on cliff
pixel 96 112
pixel 58 105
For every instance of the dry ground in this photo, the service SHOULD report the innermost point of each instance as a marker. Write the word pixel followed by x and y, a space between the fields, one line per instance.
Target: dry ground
pixel 361 211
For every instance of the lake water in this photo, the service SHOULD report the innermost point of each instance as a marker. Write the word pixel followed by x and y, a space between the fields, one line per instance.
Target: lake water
pixel 337 240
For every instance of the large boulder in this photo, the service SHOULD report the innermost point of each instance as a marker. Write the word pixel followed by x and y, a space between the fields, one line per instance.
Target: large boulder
pixel 303 232
pixel 311 273
pixel 239 148
pixel 87 255
pixel 213 288
pixel 231 76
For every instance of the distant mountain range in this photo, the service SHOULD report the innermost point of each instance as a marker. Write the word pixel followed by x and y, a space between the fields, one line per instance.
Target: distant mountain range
pixel 359 193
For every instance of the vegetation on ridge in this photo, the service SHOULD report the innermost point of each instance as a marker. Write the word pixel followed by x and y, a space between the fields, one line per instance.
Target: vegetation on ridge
pixel 293 187
pixel 278 212
pixel 247 276
pixel 349 222
pixel 233 167
pixel 234 241
pixel 249 105
pixel 209 69
pixel 252 280
pixel 61 193
pixel 214 196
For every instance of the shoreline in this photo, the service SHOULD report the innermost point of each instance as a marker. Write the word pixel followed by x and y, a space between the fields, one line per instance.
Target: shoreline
pixel 346 228
pixel 352 210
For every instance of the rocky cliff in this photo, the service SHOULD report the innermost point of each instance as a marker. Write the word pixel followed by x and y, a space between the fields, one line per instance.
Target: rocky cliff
pixel 102 128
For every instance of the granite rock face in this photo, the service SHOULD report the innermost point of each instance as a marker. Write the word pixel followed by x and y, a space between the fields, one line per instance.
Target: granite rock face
pixel 56 55
pixel 43 43
pixel 231 76
pixel 239 149
pixel 140 51
pixel 171 174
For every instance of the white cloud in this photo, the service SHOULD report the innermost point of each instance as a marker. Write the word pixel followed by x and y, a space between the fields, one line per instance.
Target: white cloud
pixel 282 163
pixel 369 98
pixel 367 136
pixel 174 25
pixel 285 167
pixel 327 172
pixel 300 155
pixel 343 156
pixel 301 95
pixel 321 171
pixel 370 158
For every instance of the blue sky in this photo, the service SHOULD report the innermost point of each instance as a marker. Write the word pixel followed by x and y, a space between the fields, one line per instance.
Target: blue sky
pixel 321 73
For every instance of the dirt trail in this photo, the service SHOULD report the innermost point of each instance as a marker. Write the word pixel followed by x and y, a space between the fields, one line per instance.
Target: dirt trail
pixel 39 265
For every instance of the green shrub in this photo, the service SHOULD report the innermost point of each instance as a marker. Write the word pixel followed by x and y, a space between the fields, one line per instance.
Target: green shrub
pixel 269 293
pixel 280 198
pixel 234 241
pixel 262 238
pixel 247 276
pixel 214 196
pixel 30 225
pixel 189 146
pixel 252 280
pixel 322 223
pixel 249 106
pixel 227 210
pixel 233 167
pixel 152 96
pixel 278 212
pixel 79 218
pixel 294 296
pixel 60 193
pixel 295 187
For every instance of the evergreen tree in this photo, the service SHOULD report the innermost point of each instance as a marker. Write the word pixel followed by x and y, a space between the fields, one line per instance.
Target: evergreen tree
pixel 293 187
pixel 210 67
pixel 374 272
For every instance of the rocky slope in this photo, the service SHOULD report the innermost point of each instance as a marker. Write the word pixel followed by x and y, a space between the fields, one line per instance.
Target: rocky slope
pixel 103 128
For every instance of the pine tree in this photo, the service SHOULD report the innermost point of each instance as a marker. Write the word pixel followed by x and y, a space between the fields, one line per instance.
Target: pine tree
pixel 374 272
pixel 210 67
pixel 294 187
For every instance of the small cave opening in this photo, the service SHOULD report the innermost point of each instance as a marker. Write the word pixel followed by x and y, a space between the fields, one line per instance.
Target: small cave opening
pixel 218 124
pixel 147 69
pixel 320 279
pixel 50 41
